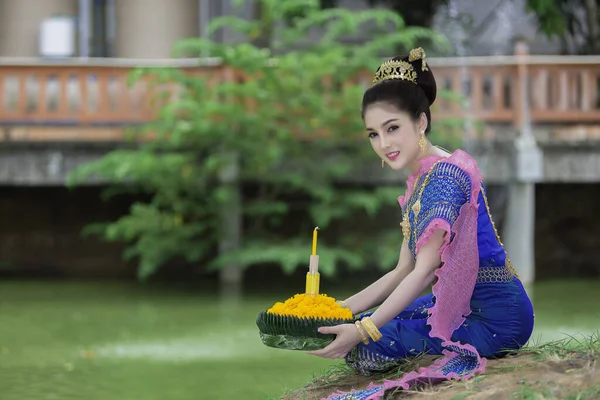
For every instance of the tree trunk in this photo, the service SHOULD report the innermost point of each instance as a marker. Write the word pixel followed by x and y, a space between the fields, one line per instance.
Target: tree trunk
pixel 231 276
pixel 591 8
pixel 264 18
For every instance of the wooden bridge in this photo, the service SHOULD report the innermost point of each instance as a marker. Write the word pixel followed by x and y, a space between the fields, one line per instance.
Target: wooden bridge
pixel 86 101
pixel 45 108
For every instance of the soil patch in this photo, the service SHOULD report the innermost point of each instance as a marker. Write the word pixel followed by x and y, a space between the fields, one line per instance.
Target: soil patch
pixel 527 375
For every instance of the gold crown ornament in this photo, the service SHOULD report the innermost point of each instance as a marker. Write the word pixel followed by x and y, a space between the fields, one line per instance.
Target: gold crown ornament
pixel 397 69
pixel 418 54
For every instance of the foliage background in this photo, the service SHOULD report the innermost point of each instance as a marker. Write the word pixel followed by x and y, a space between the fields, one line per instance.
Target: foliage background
pixel 265 148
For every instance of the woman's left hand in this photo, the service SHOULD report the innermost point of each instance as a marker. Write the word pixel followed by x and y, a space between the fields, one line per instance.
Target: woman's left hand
pixel 347 337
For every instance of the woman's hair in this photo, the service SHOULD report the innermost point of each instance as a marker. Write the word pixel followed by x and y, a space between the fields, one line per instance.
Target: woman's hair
pixel 406 83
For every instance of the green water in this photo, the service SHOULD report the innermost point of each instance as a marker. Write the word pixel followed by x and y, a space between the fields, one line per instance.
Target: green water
pixel 126 341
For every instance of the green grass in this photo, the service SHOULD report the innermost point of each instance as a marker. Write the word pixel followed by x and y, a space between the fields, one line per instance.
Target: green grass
pixel 585 345
pixel 592 393
pixel 533 391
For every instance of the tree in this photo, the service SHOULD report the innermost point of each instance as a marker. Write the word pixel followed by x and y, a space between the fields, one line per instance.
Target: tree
pixel 573 22
pixel 414 12
pixel 285 129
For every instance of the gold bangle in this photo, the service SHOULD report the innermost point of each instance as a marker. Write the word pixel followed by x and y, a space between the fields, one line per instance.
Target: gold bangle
pixel 362 332
pixel 371 329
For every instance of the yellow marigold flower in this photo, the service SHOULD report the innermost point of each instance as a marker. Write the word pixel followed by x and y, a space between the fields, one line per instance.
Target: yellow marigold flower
pixel 303 305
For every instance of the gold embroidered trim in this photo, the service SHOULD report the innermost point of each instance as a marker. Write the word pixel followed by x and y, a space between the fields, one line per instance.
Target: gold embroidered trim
pixel 508 262
pixel 494 275
pixel 416 207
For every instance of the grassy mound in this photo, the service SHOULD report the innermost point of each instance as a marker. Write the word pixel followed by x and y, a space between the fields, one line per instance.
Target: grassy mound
pixel 565 369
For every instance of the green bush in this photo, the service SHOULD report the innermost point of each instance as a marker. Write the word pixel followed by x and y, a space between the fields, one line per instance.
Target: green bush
pixel 291 128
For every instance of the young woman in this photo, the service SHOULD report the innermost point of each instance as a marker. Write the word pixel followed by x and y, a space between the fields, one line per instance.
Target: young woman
pixel 478 308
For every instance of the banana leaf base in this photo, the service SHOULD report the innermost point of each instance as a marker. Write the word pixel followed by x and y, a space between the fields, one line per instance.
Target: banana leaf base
pixel 288 342
pixel 295 333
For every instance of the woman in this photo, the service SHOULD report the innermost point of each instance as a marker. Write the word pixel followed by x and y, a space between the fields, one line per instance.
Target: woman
pixel 478 307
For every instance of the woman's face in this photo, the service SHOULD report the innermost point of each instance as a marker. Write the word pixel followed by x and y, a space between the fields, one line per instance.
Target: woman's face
pixel 394 135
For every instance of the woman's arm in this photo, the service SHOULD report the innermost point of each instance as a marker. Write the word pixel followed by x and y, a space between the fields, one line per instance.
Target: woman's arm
pixel 378 291
pixel 428 261
pixel 402 295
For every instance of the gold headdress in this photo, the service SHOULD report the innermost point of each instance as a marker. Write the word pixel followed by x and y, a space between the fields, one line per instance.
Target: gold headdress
pixel 397 69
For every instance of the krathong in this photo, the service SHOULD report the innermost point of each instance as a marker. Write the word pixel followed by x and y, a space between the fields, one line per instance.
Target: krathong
pixel 293 324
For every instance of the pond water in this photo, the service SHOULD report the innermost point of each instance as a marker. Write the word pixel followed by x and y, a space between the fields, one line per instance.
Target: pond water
pixel 126 341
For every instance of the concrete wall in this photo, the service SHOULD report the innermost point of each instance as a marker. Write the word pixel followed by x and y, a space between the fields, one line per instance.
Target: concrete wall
pixel 149 28
pixel 40 233
pixel 20 22
pixel 567 231
pixel 144 28
pixel 46 164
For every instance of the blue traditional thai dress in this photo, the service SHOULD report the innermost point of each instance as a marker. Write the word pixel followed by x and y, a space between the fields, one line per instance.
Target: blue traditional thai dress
pixel 478 307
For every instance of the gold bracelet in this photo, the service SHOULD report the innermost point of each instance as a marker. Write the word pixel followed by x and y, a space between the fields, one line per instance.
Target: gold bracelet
pixel 371 329
pixel 362 332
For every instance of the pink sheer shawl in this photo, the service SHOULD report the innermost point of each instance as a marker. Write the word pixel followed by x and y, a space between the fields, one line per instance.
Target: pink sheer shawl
pixel 453 289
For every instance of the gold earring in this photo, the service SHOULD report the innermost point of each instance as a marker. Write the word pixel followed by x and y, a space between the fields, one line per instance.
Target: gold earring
pixel 422 143
pixel 382 163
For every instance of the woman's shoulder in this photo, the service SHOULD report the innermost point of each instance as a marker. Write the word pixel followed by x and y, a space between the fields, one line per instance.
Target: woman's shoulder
pixel 459 170
pixel 459 160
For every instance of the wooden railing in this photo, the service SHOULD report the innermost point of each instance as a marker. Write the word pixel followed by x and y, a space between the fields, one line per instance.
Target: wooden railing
pixel 560 89
pixel 77 94
pixel 522 89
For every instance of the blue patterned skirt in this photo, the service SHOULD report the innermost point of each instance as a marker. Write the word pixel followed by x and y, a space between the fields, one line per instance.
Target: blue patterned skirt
pixel 501 321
